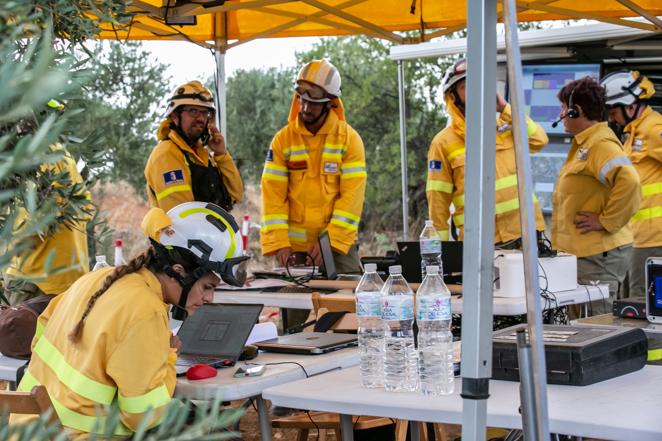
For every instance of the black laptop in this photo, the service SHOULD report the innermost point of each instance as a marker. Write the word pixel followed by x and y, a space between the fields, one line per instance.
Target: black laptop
pixel 312 343
pixel 451 258
pixel 216 334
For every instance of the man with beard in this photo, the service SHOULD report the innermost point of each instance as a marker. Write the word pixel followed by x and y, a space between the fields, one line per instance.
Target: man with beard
pixel 191 161
pixel 314 177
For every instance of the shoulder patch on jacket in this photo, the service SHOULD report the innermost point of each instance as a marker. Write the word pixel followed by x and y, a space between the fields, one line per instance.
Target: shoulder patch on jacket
pixel 270 155
pixel 434 165
pixel 173 176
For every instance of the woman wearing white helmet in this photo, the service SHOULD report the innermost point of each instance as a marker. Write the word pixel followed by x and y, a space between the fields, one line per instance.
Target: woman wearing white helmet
pixel 627 100
pixel 107 339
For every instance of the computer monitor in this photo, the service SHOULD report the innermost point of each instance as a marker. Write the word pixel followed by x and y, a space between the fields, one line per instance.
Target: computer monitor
pixel 542 83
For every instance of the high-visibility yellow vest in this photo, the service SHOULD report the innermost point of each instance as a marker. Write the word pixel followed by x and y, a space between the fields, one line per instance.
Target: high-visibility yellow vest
pixel 644 148
pixel 123 356
pixel 311 183
pixel 445 181
pixel 598 177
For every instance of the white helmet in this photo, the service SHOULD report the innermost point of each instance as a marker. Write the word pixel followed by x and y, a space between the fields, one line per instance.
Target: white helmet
pixel 454 75
pixel 207 235
pixel 192 93
pixel 625 88
pixel 320 73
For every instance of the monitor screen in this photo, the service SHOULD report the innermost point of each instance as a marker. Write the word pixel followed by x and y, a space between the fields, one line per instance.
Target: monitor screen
pixel 542 83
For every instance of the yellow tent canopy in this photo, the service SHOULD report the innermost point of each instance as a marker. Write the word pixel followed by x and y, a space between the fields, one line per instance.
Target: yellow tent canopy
pixel 227 23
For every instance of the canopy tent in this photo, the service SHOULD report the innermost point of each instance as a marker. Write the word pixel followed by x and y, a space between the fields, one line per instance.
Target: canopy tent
pixel 223 24
pixel 227 23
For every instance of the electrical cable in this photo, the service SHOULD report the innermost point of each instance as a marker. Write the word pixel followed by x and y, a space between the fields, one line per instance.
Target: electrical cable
pixel 301 280
pixel 287 362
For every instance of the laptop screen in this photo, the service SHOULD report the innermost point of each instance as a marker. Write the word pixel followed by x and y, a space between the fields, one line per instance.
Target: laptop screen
pixel 410 259
pixel 218 330
pixel 329 266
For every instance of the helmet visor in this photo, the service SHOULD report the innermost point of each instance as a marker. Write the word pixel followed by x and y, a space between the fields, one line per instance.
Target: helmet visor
pixel 310 92
pixel 233 271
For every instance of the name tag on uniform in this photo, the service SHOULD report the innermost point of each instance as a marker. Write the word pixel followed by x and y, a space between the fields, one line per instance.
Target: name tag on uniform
pixel 297 165
pixel 582 154
pixel 503 128
pixel 173 177
pixel 637 145
pixel 434 165
pixel 330 167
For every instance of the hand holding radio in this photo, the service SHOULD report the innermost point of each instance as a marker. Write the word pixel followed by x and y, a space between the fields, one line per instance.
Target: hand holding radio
pixel 216 140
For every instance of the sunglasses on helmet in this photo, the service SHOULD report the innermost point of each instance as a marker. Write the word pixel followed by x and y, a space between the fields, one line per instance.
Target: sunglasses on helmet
pixel 309 91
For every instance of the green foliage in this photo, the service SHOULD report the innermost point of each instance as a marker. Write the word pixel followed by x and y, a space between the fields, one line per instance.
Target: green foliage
pixel 123 104
pixel 258 105
pixel 210 422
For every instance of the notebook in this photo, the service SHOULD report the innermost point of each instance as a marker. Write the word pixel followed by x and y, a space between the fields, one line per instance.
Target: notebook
pixel 216 334
pixel 308 343
pixel 451 258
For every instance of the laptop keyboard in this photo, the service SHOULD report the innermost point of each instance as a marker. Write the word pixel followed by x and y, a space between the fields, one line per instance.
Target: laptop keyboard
pixel 298 290
pixel 187 360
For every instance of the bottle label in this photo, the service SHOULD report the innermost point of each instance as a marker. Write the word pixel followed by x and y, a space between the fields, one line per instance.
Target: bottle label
pixel 430 246
pixel 400 307
pixel 369 304
pixel 433 308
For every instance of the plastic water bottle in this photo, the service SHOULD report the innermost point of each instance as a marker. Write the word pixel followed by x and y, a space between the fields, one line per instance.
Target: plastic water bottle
pixel 400 364
pixel 119 257
pixel 430 243
pixel 435 341
pixel 100 263
pixel 371 327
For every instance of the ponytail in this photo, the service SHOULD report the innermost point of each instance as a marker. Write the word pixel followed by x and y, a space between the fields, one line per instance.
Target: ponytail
pixel 134 265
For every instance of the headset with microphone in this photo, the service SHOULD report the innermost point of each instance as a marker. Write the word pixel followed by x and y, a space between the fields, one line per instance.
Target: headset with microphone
pixel 571 113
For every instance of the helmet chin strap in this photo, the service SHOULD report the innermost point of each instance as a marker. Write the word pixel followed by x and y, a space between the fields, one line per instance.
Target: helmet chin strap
pixel 179 311
pixel 629 119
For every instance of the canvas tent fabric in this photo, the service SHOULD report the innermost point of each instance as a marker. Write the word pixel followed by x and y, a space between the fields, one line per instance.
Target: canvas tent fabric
pixel 237 21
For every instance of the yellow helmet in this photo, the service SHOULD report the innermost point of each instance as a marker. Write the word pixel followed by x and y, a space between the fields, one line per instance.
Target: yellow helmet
pixel 320 73
pixel 192 93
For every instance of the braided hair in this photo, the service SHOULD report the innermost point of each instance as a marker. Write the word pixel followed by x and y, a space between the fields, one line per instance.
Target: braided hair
pixel 155 262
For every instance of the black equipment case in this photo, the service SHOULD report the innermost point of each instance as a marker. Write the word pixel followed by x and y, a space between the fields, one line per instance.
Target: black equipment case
pixel 575 355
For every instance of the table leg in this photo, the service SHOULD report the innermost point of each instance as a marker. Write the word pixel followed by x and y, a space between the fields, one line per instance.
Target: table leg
pixel 415 430
pixel 346 427
pixel 263 416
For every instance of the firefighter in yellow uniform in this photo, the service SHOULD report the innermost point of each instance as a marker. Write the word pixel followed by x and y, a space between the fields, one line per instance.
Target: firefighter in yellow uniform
pixel 58 257
pixel 191 161
pixel 596 193
pixel 627 95
pixel 315 175
pixel 446 156
pixel 107 339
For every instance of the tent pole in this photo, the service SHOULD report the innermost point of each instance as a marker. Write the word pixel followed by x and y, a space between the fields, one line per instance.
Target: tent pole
pixel 403 150
pixel 221 93
pixel 537 373
pixel 479 216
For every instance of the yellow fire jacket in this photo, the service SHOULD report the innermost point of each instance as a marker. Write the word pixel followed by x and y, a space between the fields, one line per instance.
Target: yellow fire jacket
pixel 445 182
pixel 311 183
pixel 598 177
pixel 65 247
pixel 644 148
pixel 123 357
pixel 168 175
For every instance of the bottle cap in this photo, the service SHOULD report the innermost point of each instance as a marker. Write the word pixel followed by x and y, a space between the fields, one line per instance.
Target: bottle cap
pixel 118 242
pixel 245 217
pixel 395 269
pixel 432 269
pixel 370 267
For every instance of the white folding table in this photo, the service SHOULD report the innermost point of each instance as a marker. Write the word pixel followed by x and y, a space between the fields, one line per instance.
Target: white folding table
pixel 502 305
pixel 623 408
pixel 228 388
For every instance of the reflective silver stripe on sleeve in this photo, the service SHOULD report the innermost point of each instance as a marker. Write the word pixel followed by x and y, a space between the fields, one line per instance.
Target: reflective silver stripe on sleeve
pixel 345 219
pixel 618 161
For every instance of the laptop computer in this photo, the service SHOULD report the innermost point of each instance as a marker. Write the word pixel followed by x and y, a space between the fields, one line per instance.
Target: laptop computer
pixel 216 334
pixel 451 258
pixel 308 343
